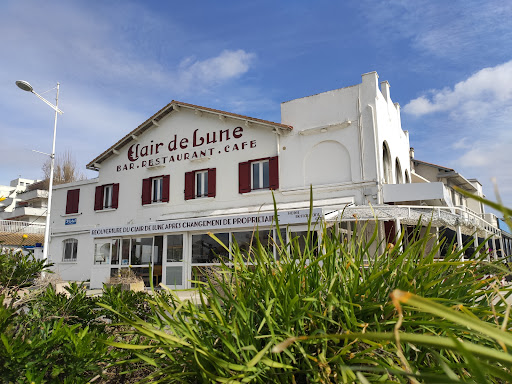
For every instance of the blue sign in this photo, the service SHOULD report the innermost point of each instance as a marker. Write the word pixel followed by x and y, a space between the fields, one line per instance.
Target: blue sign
pixel 70 221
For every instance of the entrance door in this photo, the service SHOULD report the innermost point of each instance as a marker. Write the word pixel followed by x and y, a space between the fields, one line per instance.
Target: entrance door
pixel 174 267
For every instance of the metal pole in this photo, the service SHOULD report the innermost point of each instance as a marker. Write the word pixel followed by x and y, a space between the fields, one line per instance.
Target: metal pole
pixel 50 187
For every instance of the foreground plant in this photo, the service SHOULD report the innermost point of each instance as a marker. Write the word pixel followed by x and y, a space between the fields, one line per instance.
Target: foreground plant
pixel 18 270
pixel 314 303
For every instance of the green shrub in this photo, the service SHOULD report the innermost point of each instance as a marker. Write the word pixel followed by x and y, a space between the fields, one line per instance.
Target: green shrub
pixel 50 352
pixel 126 302
pixel 75 307
pixel 19 270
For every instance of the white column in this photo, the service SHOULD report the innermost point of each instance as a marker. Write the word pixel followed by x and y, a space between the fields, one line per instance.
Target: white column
pixel 459 240
pixel 398 230
pixel 437 242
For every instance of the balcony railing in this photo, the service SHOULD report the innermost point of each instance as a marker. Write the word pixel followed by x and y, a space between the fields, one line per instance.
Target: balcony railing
pixel 20 233
pixel 11 226
pixel 451 217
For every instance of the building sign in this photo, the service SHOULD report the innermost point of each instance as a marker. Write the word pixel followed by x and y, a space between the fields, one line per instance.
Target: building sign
pixel 210 223
pixel 186 148
pixel 70 221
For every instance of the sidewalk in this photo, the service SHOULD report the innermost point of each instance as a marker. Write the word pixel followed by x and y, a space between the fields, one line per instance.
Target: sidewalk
pixel 188 294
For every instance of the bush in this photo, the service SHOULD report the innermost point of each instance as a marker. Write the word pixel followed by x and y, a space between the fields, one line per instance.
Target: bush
pixel 49 352
pixel 75 307
pixel 128 303
pixel 19 270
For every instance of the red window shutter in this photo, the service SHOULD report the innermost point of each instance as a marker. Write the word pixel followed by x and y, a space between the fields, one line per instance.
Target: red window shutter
pixel 165 188
pixel 212 182
pixel 273 168
pixel 146 191
pixel 98 198
pixel 72 201
pixel 190 185
pixel 115 196
pixel 244 177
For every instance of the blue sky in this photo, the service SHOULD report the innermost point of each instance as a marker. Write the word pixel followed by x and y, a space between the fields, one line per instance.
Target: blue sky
pixel 449 64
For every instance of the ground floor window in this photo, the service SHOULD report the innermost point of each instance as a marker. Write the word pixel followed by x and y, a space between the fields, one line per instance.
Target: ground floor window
pixel 179 259
pixel 138 253
pixel 206 249
pixel 70 250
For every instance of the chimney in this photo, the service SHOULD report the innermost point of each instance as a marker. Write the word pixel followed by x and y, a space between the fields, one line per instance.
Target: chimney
pixel 411 153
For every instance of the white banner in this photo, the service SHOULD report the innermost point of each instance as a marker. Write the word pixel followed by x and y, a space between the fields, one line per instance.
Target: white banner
pixel 210 223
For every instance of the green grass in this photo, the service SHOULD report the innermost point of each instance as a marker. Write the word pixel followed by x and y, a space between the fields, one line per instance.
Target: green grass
pixel 336 313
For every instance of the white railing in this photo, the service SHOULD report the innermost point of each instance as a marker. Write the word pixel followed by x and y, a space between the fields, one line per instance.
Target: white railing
pixel 438 215
pixel 11 226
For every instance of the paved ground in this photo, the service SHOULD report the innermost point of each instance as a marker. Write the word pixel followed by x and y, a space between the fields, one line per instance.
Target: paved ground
pixel 188 294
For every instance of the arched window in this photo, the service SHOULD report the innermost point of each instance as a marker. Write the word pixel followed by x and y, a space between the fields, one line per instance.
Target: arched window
pixel 69 247
pixel 398 172
pixel 407 179
pixel 386 162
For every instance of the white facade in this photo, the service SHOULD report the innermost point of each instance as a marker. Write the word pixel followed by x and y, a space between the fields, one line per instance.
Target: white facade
pixel 189 170
pixel 22 203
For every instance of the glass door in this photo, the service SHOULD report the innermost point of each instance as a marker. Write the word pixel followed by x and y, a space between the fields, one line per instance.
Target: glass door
pixel 140 257
pixel 173 271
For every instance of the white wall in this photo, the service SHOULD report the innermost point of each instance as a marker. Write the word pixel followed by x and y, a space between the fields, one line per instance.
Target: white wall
pixel 338 151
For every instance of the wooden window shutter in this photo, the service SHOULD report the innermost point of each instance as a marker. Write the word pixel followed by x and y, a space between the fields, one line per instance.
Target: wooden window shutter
pixel 115 195
pixel 273 176
pixel 165 188
pixel 212 182
pixel 190 181
pixel 244 177
pixel 72 201
pixel 98 198
pixel 146 191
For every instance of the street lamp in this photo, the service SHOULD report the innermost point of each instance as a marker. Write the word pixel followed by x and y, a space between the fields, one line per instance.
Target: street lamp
pixel 27 87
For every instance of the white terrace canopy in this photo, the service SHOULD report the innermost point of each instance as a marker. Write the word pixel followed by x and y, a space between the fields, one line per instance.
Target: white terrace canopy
pixel 454 218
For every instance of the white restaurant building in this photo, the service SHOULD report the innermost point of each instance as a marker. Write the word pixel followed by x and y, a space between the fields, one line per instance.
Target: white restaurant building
pixel 189 170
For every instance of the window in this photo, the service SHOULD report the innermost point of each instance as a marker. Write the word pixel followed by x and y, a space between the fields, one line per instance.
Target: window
pixel 72 200
pixel 205 249
pixel 155 190
pixel 386 163
pixel 174 248
pixel 107 196
pixel 200 183
pixel 70 249
pixel 398 172
pixel 102 252
pixel 258 174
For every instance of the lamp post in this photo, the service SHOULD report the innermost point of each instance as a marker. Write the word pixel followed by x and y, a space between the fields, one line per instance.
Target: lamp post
pixel 27 87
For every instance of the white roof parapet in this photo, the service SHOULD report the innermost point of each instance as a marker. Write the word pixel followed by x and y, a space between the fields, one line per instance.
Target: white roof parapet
pixel 449 217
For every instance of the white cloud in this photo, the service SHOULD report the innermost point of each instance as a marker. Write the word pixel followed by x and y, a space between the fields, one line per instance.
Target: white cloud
pixel 227 65
pixel 487 90
pixel 461 144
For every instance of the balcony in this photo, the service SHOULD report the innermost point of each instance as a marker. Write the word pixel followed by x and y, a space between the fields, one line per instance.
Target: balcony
pixel 33 195
pixel 11 233
pixel 23 212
